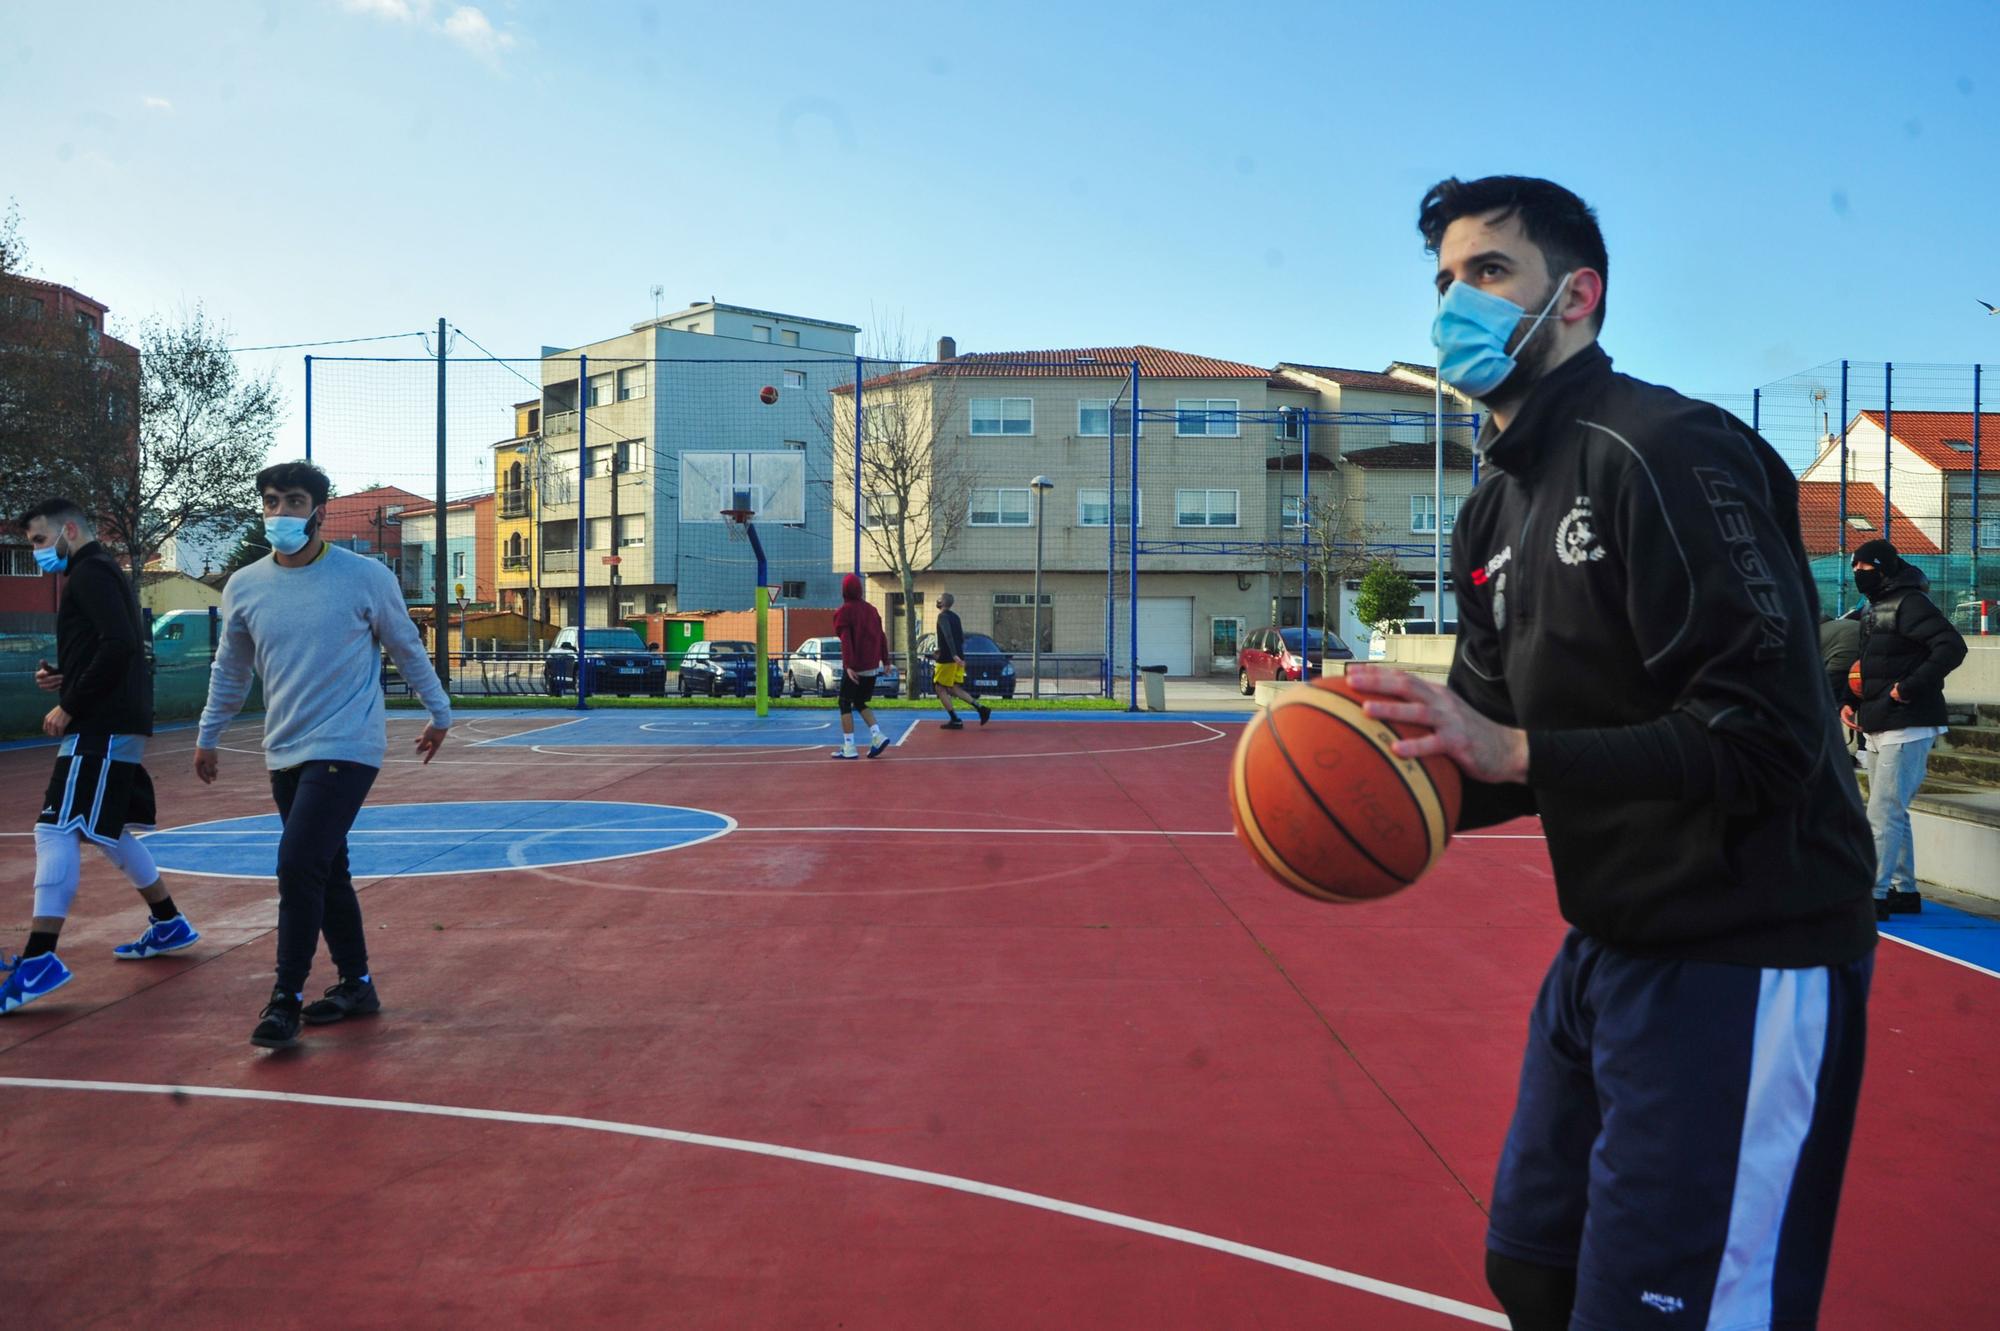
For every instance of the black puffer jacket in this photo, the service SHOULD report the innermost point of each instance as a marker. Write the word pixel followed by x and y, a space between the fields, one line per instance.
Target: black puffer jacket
pixel 1906 644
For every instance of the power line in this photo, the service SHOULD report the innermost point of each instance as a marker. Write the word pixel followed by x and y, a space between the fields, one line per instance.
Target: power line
pixel 335 342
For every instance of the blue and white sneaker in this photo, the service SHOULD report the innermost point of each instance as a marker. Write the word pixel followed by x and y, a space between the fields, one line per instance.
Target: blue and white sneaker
pixel 160 938
pixel 29 978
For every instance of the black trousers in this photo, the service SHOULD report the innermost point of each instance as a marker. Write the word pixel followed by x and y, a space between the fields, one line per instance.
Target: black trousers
pixel 318 802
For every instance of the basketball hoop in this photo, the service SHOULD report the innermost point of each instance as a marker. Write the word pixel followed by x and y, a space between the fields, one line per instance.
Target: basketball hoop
pixel 736 522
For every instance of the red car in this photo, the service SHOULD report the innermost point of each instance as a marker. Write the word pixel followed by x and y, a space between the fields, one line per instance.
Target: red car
pixel 1292 653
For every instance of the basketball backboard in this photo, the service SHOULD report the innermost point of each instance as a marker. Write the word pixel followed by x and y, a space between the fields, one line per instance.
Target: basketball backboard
pixel 771 484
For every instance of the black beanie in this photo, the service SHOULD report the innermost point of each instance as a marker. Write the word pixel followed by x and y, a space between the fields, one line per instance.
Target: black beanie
pixel 1879 553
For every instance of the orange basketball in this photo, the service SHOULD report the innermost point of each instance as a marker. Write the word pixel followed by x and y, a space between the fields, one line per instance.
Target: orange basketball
pixel 1327 809
pixel 1854 679
pixel 767 395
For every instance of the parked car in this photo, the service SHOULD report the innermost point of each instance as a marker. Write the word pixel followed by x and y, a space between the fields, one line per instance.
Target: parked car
pixel 815 668
pixel 725 666
pixel 619 662
pixel 1378 642
pixel 1293 653
pixel 987 668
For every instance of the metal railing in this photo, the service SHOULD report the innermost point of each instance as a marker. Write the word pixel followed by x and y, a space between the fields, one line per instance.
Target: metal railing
pixel 514 563
pixel 558 561
pixel 513 503
pixel 559 422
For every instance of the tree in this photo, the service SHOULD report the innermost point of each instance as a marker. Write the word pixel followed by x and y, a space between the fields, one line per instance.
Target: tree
pixel 1386 595
pixel 204 432
pixel 251 546
pixel 916 484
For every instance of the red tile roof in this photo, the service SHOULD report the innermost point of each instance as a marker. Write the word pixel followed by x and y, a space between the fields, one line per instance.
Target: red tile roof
pixel 1280 379
pixel 1924 433
pixel 1410 457
pixel 1075 363
pixel 1366 380
pixel 1819 519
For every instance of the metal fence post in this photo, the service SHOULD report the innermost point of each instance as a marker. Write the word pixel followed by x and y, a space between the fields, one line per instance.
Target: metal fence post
pixel 1132 552
pixel 1888 434
pixel 857 466
pixel 1840 583
pixel 309 408
pixel 582 528
pixel 1305 539
pixel 441 639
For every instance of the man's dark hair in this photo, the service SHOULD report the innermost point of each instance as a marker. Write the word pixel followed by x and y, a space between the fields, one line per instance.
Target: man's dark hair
pixel 1559 224
pixel 295 476
pixel 58 512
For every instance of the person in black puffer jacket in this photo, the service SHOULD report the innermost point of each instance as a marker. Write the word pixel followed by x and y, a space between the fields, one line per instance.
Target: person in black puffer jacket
pixel 1907 648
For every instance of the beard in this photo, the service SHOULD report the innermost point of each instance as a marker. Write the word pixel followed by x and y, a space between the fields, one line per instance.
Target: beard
pixel 1533 350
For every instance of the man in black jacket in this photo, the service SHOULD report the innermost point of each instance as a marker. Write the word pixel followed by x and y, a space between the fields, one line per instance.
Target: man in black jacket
pixel 1907 648
pixel 100 790
pixel 1637 661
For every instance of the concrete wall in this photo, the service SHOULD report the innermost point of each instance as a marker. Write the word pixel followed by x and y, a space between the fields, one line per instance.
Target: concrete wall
pixel 1977 680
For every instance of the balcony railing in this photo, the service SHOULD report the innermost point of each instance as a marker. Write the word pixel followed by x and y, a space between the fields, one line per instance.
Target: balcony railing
pixel 514 563
pixel 559 422
pixel 513 503
pixel 558 561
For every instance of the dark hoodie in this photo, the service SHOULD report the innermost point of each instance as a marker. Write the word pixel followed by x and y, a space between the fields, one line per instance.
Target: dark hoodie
pixel 862 646
pixel 1906 644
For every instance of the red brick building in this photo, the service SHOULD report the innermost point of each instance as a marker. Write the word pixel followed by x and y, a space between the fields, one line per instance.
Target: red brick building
pixel 369 522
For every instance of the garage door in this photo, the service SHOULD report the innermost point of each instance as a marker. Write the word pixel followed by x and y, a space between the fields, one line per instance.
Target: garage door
pixel 1166 633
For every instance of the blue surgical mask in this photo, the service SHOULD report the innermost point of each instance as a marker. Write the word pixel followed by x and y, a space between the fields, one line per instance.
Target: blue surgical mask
pixel 51 562
pixel 1471 332
pixel 286 535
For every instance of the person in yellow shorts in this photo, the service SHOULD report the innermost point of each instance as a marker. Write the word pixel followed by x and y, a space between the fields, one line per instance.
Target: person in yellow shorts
pixel 949 673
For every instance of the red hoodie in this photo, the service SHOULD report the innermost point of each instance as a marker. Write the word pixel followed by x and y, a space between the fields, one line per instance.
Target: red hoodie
pixel 862 646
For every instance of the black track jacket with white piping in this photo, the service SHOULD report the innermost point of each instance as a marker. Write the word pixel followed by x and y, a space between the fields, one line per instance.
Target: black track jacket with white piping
pixel 1633 592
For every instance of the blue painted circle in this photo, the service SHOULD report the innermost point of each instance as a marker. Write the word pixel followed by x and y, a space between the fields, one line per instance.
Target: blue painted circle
pixel 403 840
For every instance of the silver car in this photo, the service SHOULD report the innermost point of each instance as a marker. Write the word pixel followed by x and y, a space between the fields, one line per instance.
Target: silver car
pixel 815 668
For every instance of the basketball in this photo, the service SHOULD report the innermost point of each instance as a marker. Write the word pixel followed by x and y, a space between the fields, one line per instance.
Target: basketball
pixel 1325 807
pixel 767 395
pixel 1854 679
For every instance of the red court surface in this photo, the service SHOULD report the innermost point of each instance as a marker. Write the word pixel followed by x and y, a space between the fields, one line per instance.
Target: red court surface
pixel 1000 1030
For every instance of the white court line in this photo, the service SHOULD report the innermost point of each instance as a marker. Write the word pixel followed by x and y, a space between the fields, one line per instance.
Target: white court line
pixel 1943 956
pixel 908 731
pixel 1417 1298
pixel 539 730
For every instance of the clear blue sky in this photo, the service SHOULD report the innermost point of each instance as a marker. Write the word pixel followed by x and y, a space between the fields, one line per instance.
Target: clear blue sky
pixel 1781 184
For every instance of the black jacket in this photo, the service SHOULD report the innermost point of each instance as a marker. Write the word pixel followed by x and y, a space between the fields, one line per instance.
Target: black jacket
pixel 1839 649
pixel 101 649
pixel 1633 592
pixel 1906 641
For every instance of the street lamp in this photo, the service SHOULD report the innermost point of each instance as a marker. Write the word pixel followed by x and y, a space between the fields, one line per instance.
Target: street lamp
pixel 1042 485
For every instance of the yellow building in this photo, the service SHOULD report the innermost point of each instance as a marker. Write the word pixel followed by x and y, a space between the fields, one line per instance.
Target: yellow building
pixel 515 502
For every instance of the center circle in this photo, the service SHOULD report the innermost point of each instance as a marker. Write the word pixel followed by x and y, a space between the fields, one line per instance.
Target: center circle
pixel 434 839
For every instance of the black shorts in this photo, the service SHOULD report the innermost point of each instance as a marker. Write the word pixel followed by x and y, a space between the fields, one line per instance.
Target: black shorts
pixel 855 692
pixel 98 795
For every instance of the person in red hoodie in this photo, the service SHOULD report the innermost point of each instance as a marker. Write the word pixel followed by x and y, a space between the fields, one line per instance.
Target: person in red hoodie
pixel 863 649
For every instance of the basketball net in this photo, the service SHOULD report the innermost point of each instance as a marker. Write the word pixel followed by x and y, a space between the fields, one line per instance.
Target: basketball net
pixel 736 521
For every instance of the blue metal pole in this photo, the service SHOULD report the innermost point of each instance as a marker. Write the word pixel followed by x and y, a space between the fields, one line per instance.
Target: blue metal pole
pixel 1840 583
pixel 1757 409
pixel 1305 533
pixel 1475 450
pixel 582 527
pixel 1132 552
pixel 1888 434
pixel 309 409
pixel 1972 546
pixel 1110 544
pixel 440 606
pixel 857 465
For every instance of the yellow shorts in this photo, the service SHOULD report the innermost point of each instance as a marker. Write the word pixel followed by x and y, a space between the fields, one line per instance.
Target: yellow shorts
pixel 954 673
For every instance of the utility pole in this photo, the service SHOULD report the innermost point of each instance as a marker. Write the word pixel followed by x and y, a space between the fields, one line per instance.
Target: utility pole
pixel 440 606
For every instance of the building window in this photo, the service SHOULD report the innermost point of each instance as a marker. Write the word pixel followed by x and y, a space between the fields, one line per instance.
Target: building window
pixel 795 378
pixel 631 530
pixel 534 419
pixel 788 336
pixel 1211 416
pixel 797 445
pixel 18 561
pixel 792 591
pixel 631 383
pixel 760 332
pixel 601 389
pixel 1001 508
pixel 1093 508
pixel 1294 512
pixel 877 510
pixel 1093 417
pixel 1014 621
pixel 1989 533
pixel 1205 508
pixel 1003 415
pixel 25 307
pixel 1404 431
pixel 600 534
pixel 1423 513
pixel 1290 425
pixel 458 564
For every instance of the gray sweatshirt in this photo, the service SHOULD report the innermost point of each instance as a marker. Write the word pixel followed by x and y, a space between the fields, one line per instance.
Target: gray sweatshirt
pixel 315 635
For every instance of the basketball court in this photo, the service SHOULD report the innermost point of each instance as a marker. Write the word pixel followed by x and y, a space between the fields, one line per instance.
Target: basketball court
pixel 686 1025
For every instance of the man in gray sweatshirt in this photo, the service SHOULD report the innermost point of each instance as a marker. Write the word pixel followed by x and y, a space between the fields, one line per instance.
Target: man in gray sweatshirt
pixel 312 620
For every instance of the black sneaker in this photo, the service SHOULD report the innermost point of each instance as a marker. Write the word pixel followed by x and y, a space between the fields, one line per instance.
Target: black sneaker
pixel 953 724
pixel 349 998
pixel 278 1025
pixel 985 713
pixel 1881 909
pixel 1906 903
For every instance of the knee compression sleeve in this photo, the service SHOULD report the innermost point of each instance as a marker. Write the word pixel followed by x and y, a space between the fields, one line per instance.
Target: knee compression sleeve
pixel 133 859
pixel 57 864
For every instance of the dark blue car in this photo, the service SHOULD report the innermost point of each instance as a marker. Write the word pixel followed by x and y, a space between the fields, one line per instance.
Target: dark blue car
pixel 726 667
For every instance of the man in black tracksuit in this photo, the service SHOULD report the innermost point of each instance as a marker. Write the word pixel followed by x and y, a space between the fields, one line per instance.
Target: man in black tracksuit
pixel 1638 662
pixel 1907 648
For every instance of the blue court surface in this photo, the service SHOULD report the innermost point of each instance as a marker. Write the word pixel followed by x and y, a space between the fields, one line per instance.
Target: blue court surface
pixel 1949 932
pixel 403 840
pixel 627 728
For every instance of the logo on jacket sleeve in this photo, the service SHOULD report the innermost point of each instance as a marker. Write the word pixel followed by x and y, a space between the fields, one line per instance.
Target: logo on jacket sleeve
pixel 1576 535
